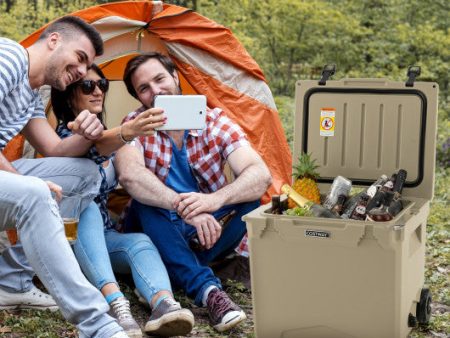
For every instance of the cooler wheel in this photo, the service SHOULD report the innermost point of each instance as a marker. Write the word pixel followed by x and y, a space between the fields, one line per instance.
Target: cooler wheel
pixel 423 309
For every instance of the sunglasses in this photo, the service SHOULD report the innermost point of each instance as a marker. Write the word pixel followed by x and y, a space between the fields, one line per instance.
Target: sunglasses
pixel 88 86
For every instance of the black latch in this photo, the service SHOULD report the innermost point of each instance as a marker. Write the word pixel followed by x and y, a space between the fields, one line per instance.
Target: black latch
pixel 413 72
pixel 327 72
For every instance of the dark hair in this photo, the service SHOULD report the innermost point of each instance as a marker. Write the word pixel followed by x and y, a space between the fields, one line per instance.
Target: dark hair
pixel 60 100
pixel 71 27
pixel 134 63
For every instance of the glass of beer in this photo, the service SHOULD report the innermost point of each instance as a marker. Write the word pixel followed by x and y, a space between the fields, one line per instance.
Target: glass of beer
pixel 69 209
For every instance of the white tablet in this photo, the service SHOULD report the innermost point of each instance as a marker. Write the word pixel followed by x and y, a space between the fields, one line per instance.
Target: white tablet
pixel 182 111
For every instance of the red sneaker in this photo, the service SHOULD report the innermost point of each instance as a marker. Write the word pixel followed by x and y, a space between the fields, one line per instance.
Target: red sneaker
pixel 224 314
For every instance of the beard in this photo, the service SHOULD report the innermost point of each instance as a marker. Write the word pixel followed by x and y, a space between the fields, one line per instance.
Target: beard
pixel 52 75
pixel 176 90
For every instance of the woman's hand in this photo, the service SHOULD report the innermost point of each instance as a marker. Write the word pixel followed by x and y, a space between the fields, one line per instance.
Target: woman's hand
pixel 144 124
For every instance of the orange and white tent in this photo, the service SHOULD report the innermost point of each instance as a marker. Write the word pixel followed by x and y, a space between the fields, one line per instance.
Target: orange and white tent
pixel 211 62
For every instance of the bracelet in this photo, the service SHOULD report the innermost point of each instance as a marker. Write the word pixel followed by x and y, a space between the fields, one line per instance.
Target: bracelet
pixel 121 136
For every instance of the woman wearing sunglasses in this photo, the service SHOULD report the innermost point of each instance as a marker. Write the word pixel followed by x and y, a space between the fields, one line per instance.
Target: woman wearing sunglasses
pixel 100 249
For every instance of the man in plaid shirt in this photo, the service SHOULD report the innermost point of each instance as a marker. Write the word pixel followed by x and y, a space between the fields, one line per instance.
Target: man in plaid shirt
pixel 180 191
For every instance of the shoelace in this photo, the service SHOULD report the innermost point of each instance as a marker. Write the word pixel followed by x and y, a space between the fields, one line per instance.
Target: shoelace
pixel 219 303
pixel 122 309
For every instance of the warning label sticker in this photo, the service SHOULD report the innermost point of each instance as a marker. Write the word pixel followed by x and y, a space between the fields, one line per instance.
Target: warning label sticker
pixel 327 120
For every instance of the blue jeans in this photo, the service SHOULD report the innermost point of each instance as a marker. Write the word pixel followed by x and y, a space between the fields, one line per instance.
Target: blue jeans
pixel 100 252
pixel 187 269
pixel 27 205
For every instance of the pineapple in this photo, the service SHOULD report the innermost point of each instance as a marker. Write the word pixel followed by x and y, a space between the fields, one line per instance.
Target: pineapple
pixel 305 180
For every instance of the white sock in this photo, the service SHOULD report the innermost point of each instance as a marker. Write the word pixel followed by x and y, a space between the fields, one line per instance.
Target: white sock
pixel 206 293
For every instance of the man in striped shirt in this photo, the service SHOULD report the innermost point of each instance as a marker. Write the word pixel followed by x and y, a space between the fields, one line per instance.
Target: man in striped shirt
pixel 61 56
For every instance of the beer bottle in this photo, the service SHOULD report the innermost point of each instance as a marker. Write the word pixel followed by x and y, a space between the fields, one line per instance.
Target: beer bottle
pixel 372 190
pixel 389 185
pixel 383 213
pixel 224 220
pixel 395 207
pixel 360 210
pixel 378 200
pixel 396 204
pixel 276 205
pixel 350 205
pixel 389 192
pixel 399 182
pixel 337 209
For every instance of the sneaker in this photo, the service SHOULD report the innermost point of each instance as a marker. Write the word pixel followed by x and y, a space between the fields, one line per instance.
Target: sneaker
pixel 169 319
pixel 32 299
pixel 120 334
pixel 120 310
pixel 223 313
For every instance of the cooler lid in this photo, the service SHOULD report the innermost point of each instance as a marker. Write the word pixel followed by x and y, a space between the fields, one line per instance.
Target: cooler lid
pixel 362 128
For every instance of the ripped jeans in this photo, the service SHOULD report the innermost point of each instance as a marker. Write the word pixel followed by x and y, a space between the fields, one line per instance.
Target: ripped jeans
pixel 27 205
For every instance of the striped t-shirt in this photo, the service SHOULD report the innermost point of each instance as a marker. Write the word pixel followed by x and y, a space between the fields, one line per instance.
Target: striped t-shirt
pixel 18 102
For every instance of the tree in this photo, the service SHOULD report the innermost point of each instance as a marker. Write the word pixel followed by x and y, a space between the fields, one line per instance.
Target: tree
pixel 25 16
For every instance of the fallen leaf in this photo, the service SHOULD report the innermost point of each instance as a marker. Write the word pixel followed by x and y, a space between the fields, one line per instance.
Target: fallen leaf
pixel 441 270
pixel 438 335
pixel 5 329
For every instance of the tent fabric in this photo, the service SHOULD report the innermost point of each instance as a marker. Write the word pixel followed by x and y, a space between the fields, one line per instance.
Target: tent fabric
pixel 211 61
pixel 13 151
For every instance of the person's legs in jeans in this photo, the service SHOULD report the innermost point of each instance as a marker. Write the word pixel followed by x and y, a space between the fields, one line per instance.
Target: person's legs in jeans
pixel 136 254
pixel 26 203
pixel 73 175
pixel 90 248
pixel 92 255
pixel 188 269
pixel 166 231
pixel 16 273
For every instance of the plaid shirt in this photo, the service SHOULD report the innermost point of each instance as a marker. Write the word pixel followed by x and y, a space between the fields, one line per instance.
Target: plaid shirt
pixel 102 198
pixel 207 149
pixel 242 248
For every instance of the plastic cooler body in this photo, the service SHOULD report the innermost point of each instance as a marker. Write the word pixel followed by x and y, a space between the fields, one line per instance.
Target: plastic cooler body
pixel 332 278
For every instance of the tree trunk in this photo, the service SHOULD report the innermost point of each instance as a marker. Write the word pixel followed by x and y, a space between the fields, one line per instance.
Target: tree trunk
pixel 9 4
pixel 288 84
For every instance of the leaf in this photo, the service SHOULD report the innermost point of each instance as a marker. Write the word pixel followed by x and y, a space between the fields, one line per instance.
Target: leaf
pixel 5 329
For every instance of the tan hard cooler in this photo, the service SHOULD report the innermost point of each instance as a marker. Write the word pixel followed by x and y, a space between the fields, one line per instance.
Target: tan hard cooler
pixel 332 278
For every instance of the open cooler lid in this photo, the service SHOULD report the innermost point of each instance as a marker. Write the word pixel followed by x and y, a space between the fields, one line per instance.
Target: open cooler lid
pixel 362 128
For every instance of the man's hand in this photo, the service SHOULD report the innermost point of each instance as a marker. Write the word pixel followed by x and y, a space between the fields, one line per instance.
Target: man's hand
pixel 194 203
pixel 55 188
pixel 208 229
pixel 87 125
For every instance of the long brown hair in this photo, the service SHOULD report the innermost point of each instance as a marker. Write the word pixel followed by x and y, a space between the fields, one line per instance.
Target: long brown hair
pixel 60 100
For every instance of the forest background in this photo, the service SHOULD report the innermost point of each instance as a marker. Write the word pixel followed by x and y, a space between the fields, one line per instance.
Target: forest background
pixel 292 40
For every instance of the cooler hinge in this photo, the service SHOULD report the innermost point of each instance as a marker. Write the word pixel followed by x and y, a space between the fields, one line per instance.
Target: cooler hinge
pixel 413 72
pixel 327 72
